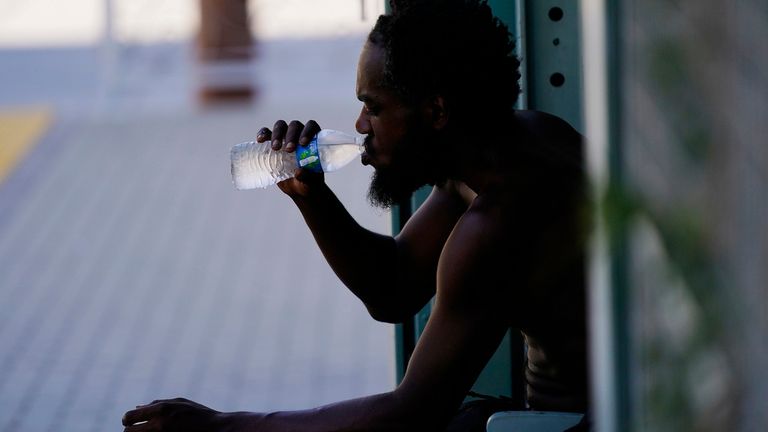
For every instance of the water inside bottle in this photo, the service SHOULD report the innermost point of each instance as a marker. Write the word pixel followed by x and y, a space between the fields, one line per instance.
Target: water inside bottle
pixel 255 165
pixel 335 156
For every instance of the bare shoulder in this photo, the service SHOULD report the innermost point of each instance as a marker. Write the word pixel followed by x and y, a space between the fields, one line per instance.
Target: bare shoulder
pixel 547 125
pixel 458 191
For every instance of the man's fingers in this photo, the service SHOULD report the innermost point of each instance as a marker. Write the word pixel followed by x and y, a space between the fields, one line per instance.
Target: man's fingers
pixel 264 134
pixel 307 176
pixel 309 132
pixel 141 414
pixel 278 134
pixel 141 427
pixel 292 136
pixel 288 136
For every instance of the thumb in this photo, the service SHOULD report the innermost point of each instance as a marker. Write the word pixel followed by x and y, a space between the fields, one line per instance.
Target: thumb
pixel 308 176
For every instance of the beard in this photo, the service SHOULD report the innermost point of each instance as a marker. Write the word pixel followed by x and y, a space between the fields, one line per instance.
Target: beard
pixel 391 186
pixel 395 183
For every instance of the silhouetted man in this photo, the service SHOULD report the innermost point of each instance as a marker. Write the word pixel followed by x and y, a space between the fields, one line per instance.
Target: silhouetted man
pixel 499 241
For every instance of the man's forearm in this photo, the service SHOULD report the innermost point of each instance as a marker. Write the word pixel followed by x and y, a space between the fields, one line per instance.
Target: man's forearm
pixel 380 412
pixel 352 251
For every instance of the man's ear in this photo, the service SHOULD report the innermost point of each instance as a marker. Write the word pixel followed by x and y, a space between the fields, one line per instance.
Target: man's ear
pixel 437 112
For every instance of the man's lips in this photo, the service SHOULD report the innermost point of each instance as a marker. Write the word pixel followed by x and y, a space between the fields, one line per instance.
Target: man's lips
pixel 365 159
pixel 365 156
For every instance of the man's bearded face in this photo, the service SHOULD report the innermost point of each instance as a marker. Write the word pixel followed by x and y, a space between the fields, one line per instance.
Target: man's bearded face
pixel 410 168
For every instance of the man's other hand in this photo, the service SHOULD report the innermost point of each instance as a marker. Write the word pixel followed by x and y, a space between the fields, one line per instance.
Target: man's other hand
pixel 173 415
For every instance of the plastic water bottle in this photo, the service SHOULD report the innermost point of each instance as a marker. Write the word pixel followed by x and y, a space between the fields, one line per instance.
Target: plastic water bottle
pixel 256 165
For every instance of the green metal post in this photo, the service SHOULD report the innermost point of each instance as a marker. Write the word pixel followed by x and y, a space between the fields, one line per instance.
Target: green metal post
pixel 552 58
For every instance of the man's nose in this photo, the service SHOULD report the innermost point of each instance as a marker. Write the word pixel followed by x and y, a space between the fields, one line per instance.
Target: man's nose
pixel 362 124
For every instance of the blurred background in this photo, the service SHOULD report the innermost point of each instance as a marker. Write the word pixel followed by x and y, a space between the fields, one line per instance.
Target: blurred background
pixel 130 268
pixel 676 113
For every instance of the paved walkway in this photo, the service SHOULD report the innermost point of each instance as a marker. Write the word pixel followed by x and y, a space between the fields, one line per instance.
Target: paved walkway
pixel 130 269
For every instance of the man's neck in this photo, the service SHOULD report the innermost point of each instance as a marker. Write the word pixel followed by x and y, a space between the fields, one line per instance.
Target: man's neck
pixel 483 163
pixel 479 165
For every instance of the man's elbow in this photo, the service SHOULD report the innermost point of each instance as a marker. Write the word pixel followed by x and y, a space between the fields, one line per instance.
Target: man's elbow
pixel 385 315
pixel 390 314
pixel 423 413
pixel 396 306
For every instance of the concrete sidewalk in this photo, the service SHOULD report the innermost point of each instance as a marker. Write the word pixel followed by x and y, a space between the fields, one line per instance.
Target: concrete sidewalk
pixel 131 270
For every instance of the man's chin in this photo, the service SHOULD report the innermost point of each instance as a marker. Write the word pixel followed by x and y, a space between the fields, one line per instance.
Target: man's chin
pixel 386 191
pixel 383 200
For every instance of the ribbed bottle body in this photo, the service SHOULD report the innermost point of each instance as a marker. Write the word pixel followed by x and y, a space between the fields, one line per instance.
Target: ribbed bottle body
pixel 256 165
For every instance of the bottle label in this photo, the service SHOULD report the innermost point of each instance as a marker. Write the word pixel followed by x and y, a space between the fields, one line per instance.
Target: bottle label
pixel 308 157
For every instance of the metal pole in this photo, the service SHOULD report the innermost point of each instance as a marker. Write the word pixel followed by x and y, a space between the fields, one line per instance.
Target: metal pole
pixel 109 43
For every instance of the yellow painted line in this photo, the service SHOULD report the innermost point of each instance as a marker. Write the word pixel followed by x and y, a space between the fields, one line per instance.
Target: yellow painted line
pixel 20 130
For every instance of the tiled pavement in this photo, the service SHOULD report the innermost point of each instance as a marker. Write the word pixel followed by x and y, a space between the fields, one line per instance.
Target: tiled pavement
pixel 131 270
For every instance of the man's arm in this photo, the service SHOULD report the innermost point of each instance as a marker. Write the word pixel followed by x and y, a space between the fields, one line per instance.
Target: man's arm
pixel 394 277
pixel 468 322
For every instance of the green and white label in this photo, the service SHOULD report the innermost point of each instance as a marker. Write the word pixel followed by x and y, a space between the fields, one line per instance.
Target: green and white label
pixel 308 157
